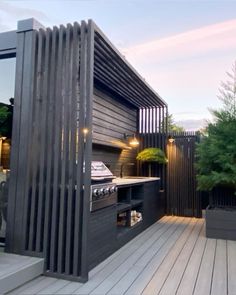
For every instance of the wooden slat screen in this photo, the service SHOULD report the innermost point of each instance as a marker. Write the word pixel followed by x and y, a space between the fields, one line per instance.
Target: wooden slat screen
pixel 53 192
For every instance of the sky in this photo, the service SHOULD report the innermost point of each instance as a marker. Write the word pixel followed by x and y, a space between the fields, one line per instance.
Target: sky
pixel 182 48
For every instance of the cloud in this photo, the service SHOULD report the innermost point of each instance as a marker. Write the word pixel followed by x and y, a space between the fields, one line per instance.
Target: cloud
pixel 192 43
pixel 192 125
pixel 186 69
pixel 19 12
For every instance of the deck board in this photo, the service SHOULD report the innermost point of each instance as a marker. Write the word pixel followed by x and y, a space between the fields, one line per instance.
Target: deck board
pixel 219 279
pixel 160 276
pixel 173 256
pixel 231 262
pixel 52 288
pixel 69 288
pixel 177 270
pixel 151 247
pixel 203 283
pixel 186 285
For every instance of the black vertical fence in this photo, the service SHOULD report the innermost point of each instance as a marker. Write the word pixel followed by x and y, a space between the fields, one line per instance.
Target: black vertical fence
pixel 50 159
pixel 178 176
pixel 222 196
pixel 183 199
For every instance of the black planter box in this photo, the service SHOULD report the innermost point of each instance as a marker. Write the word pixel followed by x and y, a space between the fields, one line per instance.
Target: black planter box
pixel 221 223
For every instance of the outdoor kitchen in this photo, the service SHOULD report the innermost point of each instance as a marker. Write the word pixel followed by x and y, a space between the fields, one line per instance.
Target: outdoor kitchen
pixel 77 192
pixel 120 209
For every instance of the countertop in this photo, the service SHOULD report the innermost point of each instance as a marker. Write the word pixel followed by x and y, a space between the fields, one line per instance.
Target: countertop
pixel 133 180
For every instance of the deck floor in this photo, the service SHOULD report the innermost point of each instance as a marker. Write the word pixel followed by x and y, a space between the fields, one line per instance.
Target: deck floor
pixel 173 256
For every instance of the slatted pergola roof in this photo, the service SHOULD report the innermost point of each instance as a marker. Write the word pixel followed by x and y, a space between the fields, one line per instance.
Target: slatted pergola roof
pixel 112 69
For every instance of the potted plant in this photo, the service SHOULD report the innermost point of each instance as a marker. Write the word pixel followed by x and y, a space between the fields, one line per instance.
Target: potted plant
pixel 152 155
pixel 216 165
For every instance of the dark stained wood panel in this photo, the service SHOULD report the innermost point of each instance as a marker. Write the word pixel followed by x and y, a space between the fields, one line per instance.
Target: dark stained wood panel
pixel 111 119
pixel 114 158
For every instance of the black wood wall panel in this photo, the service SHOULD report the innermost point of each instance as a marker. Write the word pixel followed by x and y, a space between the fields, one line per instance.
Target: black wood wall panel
pixel 114 158
pixel 111 120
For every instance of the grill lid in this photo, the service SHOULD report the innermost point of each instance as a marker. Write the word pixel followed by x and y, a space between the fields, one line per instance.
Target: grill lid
pixel 99 171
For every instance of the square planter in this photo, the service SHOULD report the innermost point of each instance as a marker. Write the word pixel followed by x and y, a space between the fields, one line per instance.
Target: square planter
pixel 221 223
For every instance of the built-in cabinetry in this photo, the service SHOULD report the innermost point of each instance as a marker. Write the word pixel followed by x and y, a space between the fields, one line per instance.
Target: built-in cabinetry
pixel 102 235
pixel 112 227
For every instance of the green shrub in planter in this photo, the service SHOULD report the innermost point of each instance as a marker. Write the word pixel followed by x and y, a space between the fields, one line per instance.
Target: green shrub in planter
pixel 216 163
pixel 151 155
pixel 216 153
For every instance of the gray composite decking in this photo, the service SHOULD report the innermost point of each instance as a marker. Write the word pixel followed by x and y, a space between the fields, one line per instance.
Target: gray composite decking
pixel 16 270
pixel 173 256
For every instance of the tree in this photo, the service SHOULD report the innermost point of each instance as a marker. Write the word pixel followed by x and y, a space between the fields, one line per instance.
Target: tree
pixel 216 153
pixel 172 126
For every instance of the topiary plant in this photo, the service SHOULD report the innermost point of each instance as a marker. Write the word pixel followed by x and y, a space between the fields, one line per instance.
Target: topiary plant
pixel 152 155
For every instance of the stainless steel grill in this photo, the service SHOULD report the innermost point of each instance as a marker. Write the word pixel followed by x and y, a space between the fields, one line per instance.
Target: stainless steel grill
pixel 103 190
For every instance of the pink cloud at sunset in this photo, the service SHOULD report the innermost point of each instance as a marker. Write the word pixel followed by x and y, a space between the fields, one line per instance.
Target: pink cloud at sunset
pixel 195 42
pixel 186 69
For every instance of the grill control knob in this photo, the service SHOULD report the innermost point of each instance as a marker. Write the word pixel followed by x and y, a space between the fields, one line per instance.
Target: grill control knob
pixel 116 189
pixel 101 192
pixel 113 189
pixel 95 192
pixel 106 191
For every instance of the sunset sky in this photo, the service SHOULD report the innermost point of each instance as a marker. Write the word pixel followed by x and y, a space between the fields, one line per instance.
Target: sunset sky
pixel 181 48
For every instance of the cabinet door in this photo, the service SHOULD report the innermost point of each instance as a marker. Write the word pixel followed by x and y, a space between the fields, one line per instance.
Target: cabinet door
pixel 153 206
pixel 102 235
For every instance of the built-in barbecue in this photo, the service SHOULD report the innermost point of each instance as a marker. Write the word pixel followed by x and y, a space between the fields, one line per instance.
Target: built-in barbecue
pixel 103 190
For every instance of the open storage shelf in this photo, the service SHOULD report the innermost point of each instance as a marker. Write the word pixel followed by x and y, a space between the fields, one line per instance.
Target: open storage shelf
pixel 121 207
pixel 136 203
pixel 129 207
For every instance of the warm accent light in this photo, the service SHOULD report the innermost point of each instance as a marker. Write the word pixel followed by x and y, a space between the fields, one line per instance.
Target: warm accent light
pixel 171 139
pixel 85 131
pixel 132 141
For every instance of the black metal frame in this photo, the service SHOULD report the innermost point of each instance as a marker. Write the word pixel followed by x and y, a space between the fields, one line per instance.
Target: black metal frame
pixel 48 214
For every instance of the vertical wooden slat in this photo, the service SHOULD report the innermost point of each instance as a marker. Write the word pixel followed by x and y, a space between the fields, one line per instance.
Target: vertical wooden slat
pixel 27 201
pixel 50 130
pixel 144 121
pixel 79 177
pixel 35 145
pixel 42 144
pixel 74 63
pixel 57 154
pixel 66 97
pixel 88 149
pixel 12 198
